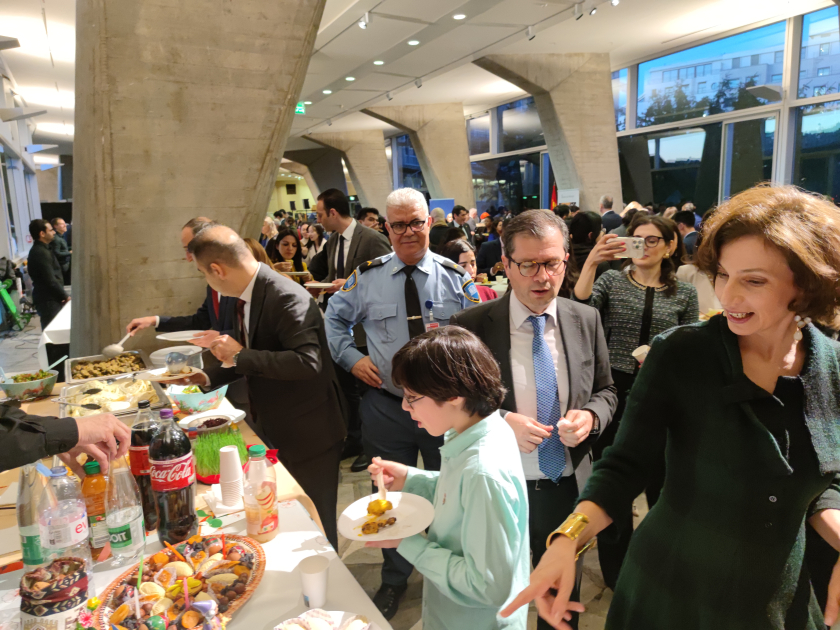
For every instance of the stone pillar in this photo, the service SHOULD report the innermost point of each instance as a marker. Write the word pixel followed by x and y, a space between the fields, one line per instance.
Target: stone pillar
pixel 439 136
pixel 321 168
pixel 573 93
pixel 182 109
pixel 364 155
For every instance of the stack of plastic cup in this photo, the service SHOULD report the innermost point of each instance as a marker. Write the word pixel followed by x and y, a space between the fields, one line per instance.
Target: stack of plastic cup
pixel 230 475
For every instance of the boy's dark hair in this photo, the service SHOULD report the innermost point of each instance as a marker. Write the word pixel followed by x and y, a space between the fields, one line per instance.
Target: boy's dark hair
pixel 362 213
pixel 448 362
pixel 280 214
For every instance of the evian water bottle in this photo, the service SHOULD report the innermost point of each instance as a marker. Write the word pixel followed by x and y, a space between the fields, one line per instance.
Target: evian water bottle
pixel 173 481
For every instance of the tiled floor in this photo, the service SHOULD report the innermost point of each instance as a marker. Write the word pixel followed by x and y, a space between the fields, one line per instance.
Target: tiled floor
pixel 365 565
pixel 18 350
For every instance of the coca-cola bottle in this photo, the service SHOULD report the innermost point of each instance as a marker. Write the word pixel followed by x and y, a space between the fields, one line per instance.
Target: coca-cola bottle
pixel 173 481
pixel 142 431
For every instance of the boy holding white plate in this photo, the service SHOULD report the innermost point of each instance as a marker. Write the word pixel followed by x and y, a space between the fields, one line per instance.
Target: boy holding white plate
pixel 476 556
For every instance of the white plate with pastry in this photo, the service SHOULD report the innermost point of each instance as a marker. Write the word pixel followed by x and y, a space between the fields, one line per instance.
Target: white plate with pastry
pixel 412 514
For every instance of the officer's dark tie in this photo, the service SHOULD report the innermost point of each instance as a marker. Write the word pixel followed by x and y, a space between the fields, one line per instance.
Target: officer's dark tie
pixel 412 304
pixel 339 266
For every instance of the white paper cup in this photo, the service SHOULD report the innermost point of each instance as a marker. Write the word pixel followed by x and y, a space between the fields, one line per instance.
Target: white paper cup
pixel 230 466
pixel 313 580
pixel 231 492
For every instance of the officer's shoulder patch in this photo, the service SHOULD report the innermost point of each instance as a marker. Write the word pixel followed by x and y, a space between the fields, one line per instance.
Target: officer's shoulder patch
pixel 376 262
pixel 351 283
pixel 451 265
pixel 471 292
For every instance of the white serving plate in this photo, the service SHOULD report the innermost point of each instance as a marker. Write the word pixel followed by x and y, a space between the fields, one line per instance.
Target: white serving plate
pixel 181 335
pixel 413 513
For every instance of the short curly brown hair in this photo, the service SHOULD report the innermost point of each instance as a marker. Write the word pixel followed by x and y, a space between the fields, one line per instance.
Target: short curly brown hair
pixel 803 226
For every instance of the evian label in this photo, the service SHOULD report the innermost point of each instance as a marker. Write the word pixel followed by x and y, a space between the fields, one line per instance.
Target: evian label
pixel 138 457
pixel 172 474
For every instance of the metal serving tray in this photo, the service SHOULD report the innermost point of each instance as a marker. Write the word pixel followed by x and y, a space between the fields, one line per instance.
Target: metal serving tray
pixel 68 391
pixel 70 363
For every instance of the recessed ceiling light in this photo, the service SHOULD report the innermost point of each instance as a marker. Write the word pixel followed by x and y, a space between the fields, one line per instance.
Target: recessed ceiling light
pixel 413 42
pixel 378 63
pixel 593 11
pixel 327 91
pixel 307 102
pixel 349 78
pixel 458 16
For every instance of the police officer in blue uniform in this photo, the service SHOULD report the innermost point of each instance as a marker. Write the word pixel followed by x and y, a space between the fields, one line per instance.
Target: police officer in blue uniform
pixel 395 297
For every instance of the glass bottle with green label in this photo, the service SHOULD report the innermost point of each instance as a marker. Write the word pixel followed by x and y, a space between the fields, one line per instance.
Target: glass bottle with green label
pixel 124 514
pixel 30 489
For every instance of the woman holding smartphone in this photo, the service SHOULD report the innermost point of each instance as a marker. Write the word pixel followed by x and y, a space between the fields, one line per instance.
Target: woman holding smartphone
pixel 636 303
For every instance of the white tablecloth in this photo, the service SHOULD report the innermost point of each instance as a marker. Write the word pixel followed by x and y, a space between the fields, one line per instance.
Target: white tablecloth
pixel 278 596
pixel 57 332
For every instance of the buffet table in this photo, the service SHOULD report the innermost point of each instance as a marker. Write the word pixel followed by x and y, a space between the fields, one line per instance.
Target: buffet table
pixel 278 596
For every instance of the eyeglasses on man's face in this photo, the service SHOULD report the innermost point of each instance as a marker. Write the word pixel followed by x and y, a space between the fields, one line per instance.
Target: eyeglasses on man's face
pixel 416 226
pixel 530 268
pixel 411 401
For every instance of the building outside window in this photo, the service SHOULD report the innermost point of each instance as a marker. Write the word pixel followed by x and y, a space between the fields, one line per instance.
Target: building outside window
pixel 668 87
pixel 478 133
pixel 819 54
pixel 409 174
pixel 6 196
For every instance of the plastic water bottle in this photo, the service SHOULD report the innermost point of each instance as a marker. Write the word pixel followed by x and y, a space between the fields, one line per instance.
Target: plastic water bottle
pixel 30 489
pixel 260 496
pixel 124 514
pixel 63 521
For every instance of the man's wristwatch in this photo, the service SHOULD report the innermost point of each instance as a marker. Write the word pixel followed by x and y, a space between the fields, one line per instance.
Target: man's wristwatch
pixel 236 358
pixel 596 423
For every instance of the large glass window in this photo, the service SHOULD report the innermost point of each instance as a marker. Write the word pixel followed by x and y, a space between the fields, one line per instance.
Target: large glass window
pixel 519 126
pixel 672 167
pixel 7 196
pixel 817 157
pixel 819 65
pixel 749 154
pixel 511 182
pixel 710 79
pixel 619 89
pixel 409 174
pixel 478 132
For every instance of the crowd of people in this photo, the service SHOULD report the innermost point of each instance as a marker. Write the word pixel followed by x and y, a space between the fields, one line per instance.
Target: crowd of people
pixel 541 414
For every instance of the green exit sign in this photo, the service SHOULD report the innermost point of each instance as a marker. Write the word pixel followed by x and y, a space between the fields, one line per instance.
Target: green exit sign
pixel 300 108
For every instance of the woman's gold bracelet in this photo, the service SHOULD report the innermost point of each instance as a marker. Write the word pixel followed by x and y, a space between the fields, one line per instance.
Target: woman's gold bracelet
pixel 572 528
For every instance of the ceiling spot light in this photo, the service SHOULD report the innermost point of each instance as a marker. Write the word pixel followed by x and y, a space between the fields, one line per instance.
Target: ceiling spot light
pixel 458 16
pixel 349 78
pixel 531 33
pixel 413 42
pixel 593 11
pixel 418 82
pixel 327 91
pixel 378 63
pixel 329 122
pixel 365 21
pixel 307 102
pixel 388 96
pixel 614 2
pixel 578 12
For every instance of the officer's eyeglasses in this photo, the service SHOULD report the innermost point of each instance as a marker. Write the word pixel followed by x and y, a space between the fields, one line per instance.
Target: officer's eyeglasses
pixel 416 226
pixel 531 268
pixel 412 401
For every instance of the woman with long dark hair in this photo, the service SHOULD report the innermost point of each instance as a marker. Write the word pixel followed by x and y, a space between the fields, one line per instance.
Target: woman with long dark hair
pixel 462 253
pixel 315 242
pixel 637 303
pixel 285 252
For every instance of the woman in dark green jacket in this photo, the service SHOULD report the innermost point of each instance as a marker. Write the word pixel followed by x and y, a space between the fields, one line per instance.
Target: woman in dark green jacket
pixel 746 408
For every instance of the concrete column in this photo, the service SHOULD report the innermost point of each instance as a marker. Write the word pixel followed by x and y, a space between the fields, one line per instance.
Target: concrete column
pixel 183 109
pixel 321 168
pixel 364 155
pixel 573 94
pixel 439 136
pixel 48 184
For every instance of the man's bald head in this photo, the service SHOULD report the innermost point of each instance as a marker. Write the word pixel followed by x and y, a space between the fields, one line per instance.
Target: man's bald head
pixel 221 245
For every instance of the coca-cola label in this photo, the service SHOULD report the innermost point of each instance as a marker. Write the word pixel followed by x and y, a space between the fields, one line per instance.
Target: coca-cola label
pixel 172 474
pixel 138 457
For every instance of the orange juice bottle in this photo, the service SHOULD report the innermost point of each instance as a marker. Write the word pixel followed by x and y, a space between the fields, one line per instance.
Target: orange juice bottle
pixel 93 492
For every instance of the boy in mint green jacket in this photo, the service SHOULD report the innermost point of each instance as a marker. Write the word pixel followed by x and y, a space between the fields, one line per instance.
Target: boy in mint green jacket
pixel 476 556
